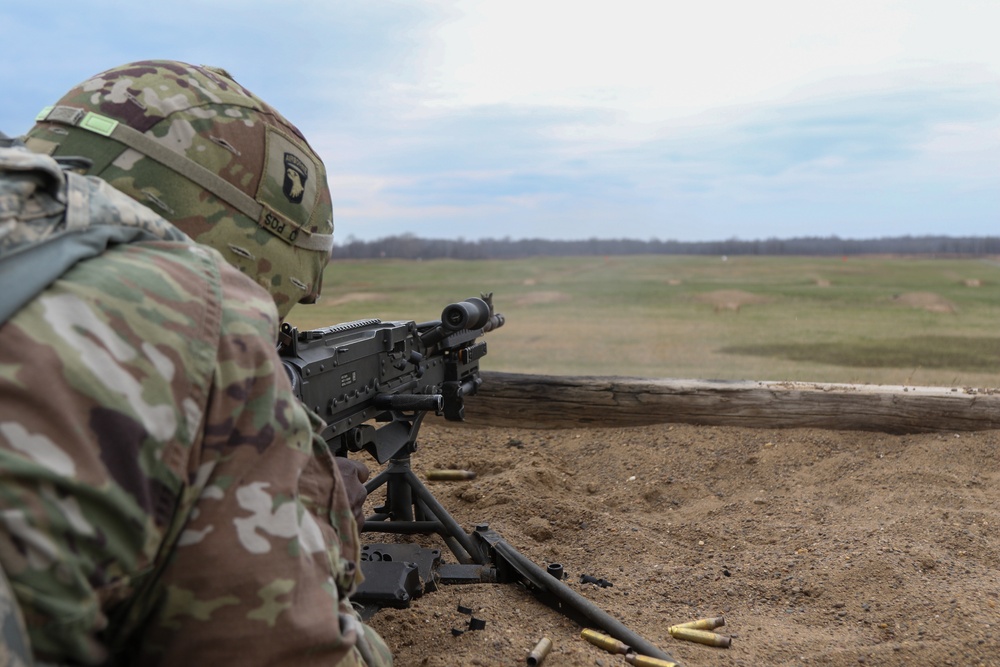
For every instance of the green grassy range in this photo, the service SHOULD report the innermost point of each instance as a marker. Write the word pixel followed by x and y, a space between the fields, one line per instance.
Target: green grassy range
pixel 877 320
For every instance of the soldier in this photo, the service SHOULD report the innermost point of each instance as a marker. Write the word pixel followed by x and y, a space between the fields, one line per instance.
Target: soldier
pixel 164 499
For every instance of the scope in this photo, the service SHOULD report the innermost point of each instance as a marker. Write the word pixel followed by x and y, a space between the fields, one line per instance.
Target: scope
pixel 473 313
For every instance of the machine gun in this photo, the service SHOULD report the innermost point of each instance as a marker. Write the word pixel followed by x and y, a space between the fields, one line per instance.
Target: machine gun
pixel 393 374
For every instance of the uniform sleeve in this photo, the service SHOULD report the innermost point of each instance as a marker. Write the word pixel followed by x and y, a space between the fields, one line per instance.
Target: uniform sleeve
pixel 162 499
pixel 262 567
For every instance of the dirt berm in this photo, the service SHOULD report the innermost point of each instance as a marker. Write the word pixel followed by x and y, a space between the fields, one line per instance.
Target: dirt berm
pixel 819 547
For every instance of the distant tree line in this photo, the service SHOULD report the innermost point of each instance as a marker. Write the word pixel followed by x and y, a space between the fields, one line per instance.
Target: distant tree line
pixel 407 246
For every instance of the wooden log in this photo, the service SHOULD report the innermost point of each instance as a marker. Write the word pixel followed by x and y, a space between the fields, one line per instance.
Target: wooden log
pixel 547 401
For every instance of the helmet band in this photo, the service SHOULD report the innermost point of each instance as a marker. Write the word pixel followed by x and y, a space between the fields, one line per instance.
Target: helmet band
pixel 265 217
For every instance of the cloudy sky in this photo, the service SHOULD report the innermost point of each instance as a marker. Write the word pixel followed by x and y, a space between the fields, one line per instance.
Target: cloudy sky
pixel 577 119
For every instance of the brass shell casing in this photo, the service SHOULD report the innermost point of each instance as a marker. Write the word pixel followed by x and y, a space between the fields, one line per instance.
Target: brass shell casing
pixel 646 661
pixel 450 475
pixel 704 623
pixel 538 653
pixel 700 636
pixel 609 644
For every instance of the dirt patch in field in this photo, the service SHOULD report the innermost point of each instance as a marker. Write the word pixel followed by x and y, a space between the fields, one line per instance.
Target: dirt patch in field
pixel 536 298
pixel 929 301
pixel 818 547
pixel 730 299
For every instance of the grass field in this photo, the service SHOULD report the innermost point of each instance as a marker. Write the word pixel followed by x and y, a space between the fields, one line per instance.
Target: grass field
pixel 880 320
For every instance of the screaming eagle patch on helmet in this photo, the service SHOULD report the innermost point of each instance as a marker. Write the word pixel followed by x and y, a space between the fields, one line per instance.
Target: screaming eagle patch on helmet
pixel 286 185
pixel 286 192
pixel 296 176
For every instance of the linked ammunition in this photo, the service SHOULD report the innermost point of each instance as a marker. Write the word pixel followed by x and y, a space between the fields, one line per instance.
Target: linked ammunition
pixel 538 653
pixel 646 661
pixel 704 623
pixel 609 644
pixel 450 475
pixel 699 636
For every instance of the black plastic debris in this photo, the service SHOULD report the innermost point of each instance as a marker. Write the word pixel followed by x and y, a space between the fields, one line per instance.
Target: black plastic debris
pixel 588 579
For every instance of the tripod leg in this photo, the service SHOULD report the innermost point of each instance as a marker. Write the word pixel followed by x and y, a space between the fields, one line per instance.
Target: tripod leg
pixel 407 497
pixel 398 499
pixel 437 510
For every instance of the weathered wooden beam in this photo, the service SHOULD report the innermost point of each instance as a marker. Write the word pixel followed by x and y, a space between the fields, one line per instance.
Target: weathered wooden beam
pixel 550 401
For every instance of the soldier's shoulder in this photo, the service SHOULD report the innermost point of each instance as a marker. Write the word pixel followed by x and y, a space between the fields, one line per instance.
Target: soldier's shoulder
pixel 198 277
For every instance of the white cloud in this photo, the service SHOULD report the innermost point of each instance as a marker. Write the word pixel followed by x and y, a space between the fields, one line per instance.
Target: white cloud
pixel 638 117
pixel 653 59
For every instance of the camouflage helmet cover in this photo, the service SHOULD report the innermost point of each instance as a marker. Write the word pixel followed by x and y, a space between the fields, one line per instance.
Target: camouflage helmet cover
pixel 211 157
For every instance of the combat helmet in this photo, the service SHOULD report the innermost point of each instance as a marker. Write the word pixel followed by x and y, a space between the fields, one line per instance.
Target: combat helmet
pixel 211 157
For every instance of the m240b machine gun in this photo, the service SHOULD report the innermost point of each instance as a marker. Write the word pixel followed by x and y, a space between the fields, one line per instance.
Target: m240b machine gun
pixel 393 374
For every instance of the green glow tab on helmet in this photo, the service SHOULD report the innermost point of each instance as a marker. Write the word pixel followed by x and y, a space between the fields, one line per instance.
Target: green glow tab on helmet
pixel 44 113
pixel 98 124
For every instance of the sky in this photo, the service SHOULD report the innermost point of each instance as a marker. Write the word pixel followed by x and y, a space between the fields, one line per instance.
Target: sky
pixel 559 119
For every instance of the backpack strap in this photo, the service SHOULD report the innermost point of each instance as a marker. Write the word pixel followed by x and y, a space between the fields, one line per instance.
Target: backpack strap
pixel 50 219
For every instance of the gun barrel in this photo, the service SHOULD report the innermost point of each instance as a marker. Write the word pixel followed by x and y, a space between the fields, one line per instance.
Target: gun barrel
pixel 494 322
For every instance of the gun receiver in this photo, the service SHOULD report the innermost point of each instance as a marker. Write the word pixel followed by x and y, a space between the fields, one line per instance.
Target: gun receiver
pixel 355 372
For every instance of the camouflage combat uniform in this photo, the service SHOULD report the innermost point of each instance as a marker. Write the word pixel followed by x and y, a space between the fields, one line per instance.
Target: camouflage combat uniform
pixel 163 500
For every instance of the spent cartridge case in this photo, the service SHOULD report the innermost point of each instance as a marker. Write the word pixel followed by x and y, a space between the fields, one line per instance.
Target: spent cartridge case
pixel 450 475
pixel 609 644
pixel 704 623
pixel 700 636
pixel 646 661
pixel 538 653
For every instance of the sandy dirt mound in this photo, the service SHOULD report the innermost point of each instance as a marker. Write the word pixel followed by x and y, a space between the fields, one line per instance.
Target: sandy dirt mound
pixel 730 299
pixel 934 303
pixel 818 547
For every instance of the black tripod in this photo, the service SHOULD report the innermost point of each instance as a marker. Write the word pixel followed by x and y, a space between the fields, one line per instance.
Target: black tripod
pixel 396 573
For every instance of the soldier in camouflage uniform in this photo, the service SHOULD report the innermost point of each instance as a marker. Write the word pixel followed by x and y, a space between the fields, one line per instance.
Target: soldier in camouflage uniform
pixel 164 499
